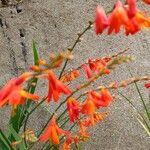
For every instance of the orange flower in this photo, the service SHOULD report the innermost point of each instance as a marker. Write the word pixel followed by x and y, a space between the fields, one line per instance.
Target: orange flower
pixel 88 107
pixel 133 27
pixel 56 87
pixel 101 99
pixel 73 109
pixel 142 20
pixel 52 132
pixel 101 21
pixel 96 100
pixel 69 77
pixel 95 118
pixel 98 65
pixel 118 18
pixel 67 144
pixel 69 140
pixel 146 1
pixel 131 8
pixel 137 22
pixel 87 70
pixel 83 131
pixel 147 85
pixel 13 92
pixel 106 97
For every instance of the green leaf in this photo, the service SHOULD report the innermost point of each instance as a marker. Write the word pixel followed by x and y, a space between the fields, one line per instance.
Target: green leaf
pixel 144 126
pixel 78 146
pixel 139 116
pixel 21 111
pixel 35 53
pixel 55 147
pixel 14 121
pixel 4 142
pixel 141 97
pixel 31 89
pixel 17 137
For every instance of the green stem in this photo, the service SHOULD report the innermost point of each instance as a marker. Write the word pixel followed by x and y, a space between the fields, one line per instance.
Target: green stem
pixel 54 114
pixel 28 115
pixel 62 114
pixel 77 41
pixel 6 140
pixel 74 45
pixel 141 97
pixel 135 110
pixel 68 130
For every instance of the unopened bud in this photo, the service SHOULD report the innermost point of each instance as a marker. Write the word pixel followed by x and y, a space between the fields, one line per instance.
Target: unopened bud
pixel 42 62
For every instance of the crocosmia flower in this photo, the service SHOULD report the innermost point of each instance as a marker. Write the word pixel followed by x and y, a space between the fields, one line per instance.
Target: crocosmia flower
pixel 101 21
pixel 98 65
pixel 142 19
pixel 131 8
pixel 88 106
pixel 106 97
pixel 68 141
pixel 118 18
pixel 83 134
pixel 147 1
pixel 56 87
pixel 101 99
pixel 71 76
pixel 139 21
pixel 13 93
pixel 147 85
pixel 95 118
pixel 87 70
pixel 52 132
pixel 73 109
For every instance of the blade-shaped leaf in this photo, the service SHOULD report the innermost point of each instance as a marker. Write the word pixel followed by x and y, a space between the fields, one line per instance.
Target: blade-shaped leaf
pixel 4 142
pixel 21 111
pixel 141 97
pixel 144 126
pixel 17 137
pixel 78 146
pixel 35 53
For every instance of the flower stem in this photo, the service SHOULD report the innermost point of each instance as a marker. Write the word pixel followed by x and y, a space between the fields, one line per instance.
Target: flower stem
pixel 28 115
pixel 74 45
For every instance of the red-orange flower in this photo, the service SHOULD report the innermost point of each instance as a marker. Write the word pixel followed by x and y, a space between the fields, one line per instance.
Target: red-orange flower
pixel 52 132
pixel 67 144
pixel 69 140
pixel 142 20
pixel 106 97
pixel 101 99
pixel 88 107
pixel 56 87
pixel 138 22
pixel 133 27
pixel 73 109
pixel 146 1
pixel 87 70
pixel 13 93
pixel 101 21
pixel 118 18
pixel 131 8
pixel 98 65
pixel 69 77
pixel 96 100
pixel 95 118
pixel 147 85
pixel 83 131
